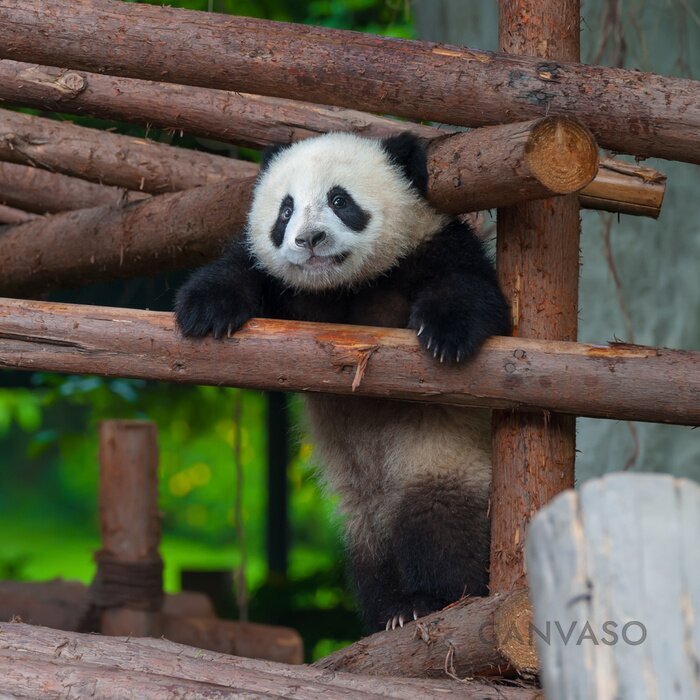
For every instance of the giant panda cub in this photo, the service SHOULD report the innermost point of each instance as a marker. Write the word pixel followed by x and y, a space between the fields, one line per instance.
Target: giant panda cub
pixel 340 231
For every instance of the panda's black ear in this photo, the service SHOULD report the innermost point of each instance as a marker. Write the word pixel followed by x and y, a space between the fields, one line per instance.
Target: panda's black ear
pixel 408 152
pixel 269 153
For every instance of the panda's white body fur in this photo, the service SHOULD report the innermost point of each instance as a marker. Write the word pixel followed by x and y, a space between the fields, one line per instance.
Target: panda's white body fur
pixel 340 230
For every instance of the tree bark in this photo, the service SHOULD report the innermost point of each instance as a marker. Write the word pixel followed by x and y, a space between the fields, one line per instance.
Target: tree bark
pixel 614 566
pixel 128 587
pixel 627 111
pixel 257 121
pixel 473 637
pixel 10 215
pixel 43 192
pixel 39 662
pixel 108 158
pixel 167 232
pixel 537 258
pixel 626 382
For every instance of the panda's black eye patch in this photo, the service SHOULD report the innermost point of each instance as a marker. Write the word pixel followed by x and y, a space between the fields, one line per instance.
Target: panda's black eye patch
pixel 283 217
pixel 347 209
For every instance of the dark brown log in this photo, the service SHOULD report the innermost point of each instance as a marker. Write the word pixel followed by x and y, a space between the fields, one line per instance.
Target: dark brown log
pixel 187 618
pixel 628 111
pixel 254 120
pixel 108 158
pixel 10 215
pixel 244 119
pixel 39 662
pixel 625 188
pixel 531 160
pixel 626 382
pixel 474 637
pixel 537 258
pixel 167 232
pixel 130 526
pixel 43 192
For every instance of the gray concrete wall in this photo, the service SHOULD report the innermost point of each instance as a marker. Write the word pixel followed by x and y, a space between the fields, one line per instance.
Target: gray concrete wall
pixel 658 261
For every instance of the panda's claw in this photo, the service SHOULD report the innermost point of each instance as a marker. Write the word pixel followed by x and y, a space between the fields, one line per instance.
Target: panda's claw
pixel 388 624
pixel 430 340
pixel 401 621
pixel 415 615
pixel 421 329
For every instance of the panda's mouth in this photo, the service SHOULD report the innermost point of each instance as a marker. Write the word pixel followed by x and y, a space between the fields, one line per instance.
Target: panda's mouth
pixel 325 260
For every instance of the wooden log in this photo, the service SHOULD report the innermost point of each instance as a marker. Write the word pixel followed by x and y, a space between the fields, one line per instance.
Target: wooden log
pixel 39 662
pixel 531 160
pixel 128 587
pixel 43 192
pixel 625 382
pixel 187 618
pixel 627 111
pixel 12 216
pixel 537 260
pixel 614 570
pixel 258 121
pixel 625 188
pixel 167 232
pixel 108 158
pixel 473 637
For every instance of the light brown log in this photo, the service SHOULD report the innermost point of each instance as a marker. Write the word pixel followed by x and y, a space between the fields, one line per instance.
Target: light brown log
pixel 255 120
pixel 167 232
pixel 627 111
pixel 537 259
pixel 187 618
pixel 112 159
pixel 39 662
pixel 129 520
pixel 531 160
pixel 625 188
pixel 475 636
pixel 42 192
pixel 11 215
pixel 626 382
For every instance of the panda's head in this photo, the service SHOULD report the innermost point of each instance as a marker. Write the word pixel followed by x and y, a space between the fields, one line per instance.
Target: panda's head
pixel 338 210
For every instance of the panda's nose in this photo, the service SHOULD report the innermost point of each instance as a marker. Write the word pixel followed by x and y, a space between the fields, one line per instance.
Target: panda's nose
pixel 310 239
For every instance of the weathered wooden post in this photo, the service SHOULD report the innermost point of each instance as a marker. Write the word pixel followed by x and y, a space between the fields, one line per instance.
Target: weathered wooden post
pixel 537 260
pixel 128 586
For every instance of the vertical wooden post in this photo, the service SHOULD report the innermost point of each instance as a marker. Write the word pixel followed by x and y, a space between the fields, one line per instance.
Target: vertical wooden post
pixel 128 586
pixel 538 268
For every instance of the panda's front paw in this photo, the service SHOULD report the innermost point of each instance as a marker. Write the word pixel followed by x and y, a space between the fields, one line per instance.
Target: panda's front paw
pixel 199 312
pixel 448 331
pixel 411 609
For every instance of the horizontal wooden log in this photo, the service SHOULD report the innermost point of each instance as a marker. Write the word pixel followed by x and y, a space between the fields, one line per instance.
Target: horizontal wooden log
pixel 258 121
pixel 112 159
pixel 11 215
pixel 473 637
pixel 625 188
pixel 628 111
pixel 39 662
pixel 167 232
pixel 43 192
pixel 625 382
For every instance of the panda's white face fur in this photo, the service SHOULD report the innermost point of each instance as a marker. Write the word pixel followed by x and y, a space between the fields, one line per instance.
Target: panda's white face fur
pixel 334 211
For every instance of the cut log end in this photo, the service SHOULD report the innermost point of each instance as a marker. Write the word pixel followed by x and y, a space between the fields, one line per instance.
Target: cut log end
pixel 562 154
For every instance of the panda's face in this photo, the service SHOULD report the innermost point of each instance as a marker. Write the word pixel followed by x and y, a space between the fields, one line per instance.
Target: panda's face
pixel 334 211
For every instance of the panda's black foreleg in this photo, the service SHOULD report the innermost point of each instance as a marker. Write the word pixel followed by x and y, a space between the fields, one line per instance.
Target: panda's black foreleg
pixel 220 297
pixel 440 539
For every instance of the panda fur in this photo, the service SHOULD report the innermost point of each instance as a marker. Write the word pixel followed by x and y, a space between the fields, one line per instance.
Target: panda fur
pixel 340 230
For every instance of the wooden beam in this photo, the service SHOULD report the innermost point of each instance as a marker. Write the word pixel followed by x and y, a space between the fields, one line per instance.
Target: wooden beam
pixel 43 192
pixel 112 159
pixel 167 232
pixel 537 259
pixel 473 637
pixel 39 662
pixel 12 216
pixel 626 382
pixel 258 121
pixel 615 567
pixel 627 111
pixel 128 587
